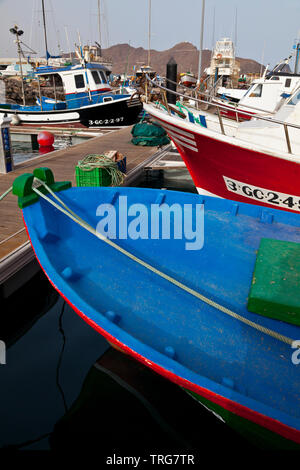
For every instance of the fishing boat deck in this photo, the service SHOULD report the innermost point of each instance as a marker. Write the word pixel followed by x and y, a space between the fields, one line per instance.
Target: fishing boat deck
pixel 62 163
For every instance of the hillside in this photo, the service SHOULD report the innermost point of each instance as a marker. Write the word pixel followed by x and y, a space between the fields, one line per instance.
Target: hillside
pixel 185 54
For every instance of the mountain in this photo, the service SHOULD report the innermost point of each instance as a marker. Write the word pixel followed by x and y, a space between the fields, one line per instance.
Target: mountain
pixel 186 55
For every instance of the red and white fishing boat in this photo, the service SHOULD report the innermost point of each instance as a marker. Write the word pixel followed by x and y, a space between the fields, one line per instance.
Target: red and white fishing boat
pixel 254 161
pixel 188 79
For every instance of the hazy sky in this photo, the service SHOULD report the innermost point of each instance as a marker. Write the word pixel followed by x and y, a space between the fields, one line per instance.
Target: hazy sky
pixel 266 29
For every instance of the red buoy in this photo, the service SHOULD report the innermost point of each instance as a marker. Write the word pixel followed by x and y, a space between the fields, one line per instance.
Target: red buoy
pixel 45 139
pixel 44 150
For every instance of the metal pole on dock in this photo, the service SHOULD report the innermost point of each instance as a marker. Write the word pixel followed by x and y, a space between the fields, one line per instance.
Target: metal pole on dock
pixel 171 77
pixel 201 41
pixel 6 159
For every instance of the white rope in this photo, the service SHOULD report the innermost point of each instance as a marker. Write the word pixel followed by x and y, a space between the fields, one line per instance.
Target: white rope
pixel 69 213
pixel 2 196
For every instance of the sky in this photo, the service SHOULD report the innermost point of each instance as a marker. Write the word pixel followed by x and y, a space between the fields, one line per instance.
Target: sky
pixel 264 30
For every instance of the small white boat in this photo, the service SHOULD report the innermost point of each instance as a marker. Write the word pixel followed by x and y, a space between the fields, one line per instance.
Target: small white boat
pixel 188 79
pixel 14 70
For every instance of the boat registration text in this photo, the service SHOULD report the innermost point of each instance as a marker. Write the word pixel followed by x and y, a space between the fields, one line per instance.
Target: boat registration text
pixel 100 122
pixel 268 196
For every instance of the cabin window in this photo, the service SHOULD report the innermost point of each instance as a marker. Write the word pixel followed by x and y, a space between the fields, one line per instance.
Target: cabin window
pixel 295 99
pixel 256 93
pixel 103 76
pixel 79 81
pixel 96 77
pixel 288 82
pixel 275 78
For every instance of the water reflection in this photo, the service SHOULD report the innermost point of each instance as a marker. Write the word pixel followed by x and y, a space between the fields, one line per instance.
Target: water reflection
pixel 31 399
pixel 123 405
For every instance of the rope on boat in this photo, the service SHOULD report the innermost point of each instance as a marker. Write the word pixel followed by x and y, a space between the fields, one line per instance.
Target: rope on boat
pixel 2 196
pixel 92 161
pixel 69 213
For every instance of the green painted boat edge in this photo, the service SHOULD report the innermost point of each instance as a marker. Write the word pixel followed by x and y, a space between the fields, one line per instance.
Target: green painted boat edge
pixel 257 435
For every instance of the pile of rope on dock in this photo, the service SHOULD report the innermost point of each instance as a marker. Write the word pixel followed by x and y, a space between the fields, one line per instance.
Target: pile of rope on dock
pixel 92 161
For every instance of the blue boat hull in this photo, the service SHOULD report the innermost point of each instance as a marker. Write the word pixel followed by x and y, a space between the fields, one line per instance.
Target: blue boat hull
pixel 218 357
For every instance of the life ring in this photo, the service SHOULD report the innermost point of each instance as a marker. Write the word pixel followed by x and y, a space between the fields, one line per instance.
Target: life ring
pixel 15 120
pixel 219 56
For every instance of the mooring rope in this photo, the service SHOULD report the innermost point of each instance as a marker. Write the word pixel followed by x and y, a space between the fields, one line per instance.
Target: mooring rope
pixel 2 196
pixel 69 213
pixel 92 161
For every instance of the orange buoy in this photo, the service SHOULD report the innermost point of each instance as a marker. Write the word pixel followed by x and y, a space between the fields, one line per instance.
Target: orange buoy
pixel 45 139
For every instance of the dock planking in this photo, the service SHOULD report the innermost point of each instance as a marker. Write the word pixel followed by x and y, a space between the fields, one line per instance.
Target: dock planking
pixel 62 163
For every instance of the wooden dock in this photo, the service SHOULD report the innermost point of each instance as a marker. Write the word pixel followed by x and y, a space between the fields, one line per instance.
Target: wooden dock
pixel 15 250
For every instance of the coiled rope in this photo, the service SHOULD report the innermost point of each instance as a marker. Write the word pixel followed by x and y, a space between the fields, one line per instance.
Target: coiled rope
pixel 92 161
pixel 69 213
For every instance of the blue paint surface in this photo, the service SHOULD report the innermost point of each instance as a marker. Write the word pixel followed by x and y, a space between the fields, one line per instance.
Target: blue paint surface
pixel 160 321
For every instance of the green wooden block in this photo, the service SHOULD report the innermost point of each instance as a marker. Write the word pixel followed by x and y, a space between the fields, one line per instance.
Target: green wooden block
pixel 22 186
pixel 275 289
pixel 44 174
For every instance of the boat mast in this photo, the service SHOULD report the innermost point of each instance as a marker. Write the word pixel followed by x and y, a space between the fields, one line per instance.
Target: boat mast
pixel 201 41
pixel 83 63
pixel 235 32
pixel 297 47
pixel 45 32
pixel 149 30
pixel 68 42
pixel 99 23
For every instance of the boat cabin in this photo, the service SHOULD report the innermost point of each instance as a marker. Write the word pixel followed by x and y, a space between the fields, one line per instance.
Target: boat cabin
pixel 224 66
pixel 269 93
pixel 82 85
pixel 145 70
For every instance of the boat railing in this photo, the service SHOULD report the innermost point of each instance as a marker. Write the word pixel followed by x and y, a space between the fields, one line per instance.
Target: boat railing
pixel 220 107
pixel 204 87
pixel 209 92
pixel 83 100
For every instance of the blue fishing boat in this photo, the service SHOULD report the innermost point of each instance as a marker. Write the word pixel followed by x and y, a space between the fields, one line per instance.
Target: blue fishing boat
pixel 89 100
pixel 210 301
